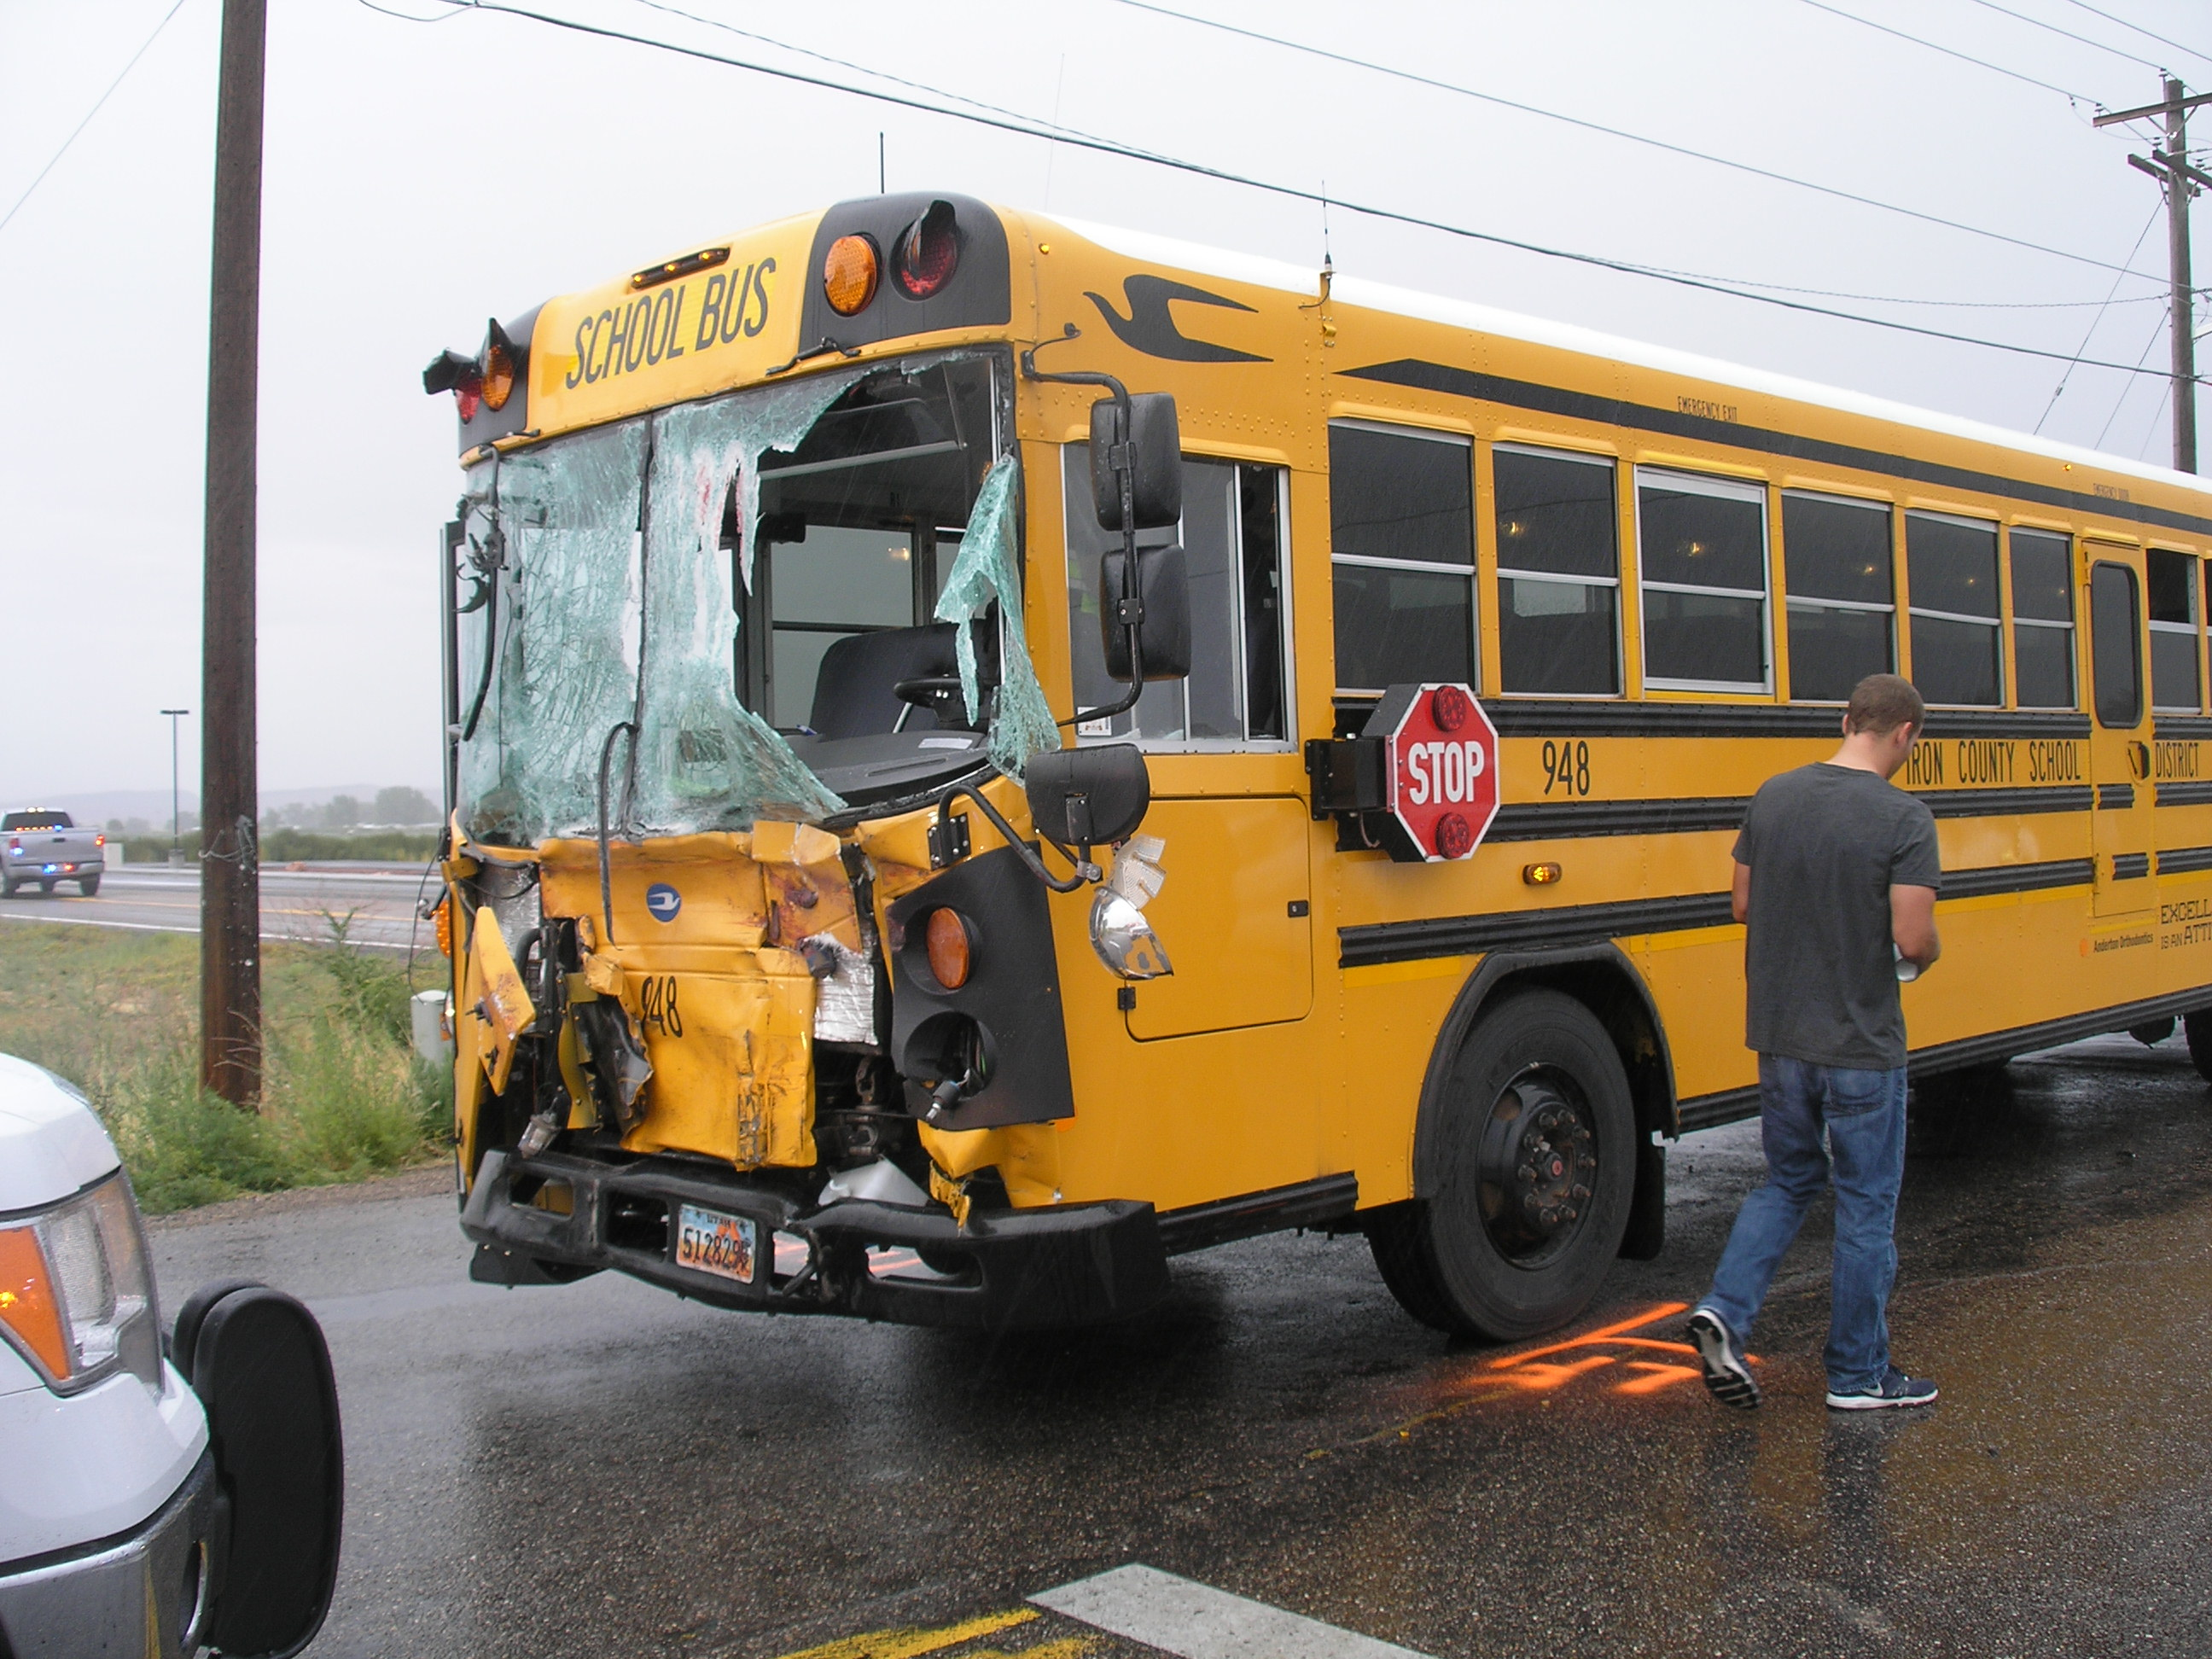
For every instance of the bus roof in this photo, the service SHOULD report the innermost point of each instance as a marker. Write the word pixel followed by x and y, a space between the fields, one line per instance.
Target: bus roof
pixel 1200 259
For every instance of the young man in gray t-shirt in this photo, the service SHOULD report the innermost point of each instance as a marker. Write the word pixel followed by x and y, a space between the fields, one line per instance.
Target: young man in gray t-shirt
pixel 1836 875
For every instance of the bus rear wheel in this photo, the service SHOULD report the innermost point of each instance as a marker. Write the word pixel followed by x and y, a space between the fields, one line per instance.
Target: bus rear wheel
pixel 2197 1027
pixel 1527 1167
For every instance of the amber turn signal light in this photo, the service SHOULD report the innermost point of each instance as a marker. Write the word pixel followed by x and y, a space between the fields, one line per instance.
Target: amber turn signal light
pixel 498 384
pixel 1540 875
pixel 442 926
pixel 27 1300
pixel 850 274
pixel 949 948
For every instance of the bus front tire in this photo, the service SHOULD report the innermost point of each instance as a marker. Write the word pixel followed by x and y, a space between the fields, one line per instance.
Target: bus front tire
pixel 1526 1163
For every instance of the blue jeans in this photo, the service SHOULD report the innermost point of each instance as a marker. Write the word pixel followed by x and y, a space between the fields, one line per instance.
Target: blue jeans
pixel 1863 1112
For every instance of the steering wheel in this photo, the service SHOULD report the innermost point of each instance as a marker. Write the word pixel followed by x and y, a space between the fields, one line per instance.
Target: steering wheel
pixel 940 694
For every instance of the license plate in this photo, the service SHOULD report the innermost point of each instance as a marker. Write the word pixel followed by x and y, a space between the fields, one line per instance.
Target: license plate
pixel 709 1241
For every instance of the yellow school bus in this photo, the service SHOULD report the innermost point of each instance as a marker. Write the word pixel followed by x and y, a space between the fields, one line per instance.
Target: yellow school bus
pixel 929 690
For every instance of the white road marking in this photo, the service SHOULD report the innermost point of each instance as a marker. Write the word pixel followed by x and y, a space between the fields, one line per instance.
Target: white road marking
pixel 1197 1621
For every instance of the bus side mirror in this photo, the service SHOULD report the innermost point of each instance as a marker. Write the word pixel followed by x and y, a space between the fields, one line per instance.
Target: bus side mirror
pixel 1163 636
pixel 1153 452
pixel 1089 797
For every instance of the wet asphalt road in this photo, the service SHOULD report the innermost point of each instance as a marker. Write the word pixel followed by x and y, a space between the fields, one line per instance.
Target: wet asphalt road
pixel 604 1469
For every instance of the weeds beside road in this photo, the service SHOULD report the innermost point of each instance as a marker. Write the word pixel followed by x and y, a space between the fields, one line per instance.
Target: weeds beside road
pixel 118 1014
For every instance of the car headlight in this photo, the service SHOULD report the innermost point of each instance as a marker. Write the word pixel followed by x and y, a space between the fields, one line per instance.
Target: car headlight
pixel 77 1298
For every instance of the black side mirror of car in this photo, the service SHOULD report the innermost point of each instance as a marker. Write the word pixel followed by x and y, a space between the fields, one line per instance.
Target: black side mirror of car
pixel 1153 452
pixel 258 1361
pixel 1089 797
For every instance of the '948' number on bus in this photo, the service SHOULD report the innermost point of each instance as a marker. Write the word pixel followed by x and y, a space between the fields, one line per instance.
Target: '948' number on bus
pixel 1566 767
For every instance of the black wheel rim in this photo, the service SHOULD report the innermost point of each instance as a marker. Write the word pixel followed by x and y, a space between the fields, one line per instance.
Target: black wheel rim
pixel 1539 1170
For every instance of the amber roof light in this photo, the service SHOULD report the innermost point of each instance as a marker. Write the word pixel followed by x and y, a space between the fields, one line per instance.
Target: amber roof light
pixel 850 274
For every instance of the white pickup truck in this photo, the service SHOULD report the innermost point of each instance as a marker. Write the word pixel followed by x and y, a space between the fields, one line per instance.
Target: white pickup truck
pixel 157 1496
pixel 40 847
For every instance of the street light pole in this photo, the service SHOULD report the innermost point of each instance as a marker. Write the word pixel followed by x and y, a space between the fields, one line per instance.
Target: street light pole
pixel 174 715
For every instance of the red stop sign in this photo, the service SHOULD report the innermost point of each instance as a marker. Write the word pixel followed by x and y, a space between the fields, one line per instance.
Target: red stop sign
pixel 1440 755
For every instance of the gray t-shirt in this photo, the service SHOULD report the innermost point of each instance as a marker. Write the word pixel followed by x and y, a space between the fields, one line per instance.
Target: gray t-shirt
pixel 1824 845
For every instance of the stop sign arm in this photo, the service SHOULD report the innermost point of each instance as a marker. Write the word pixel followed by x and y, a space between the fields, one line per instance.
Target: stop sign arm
pixel 1421 780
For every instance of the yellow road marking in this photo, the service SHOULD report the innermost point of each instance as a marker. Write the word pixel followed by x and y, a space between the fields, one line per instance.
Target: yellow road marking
pixel 911 1643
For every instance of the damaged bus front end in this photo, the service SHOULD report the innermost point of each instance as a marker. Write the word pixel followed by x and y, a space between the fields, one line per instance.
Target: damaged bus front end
pixel 746 898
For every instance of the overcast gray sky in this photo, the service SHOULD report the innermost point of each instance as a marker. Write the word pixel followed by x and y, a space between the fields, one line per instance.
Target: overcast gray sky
pixel 422 175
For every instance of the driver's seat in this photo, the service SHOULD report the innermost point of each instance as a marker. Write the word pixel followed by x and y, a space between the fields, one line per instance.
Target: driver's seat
pixel 853 692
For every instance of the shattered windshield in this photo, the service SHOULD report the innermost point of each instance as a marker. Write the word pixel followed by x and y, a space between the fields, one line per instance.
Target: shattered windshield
pixel 779 604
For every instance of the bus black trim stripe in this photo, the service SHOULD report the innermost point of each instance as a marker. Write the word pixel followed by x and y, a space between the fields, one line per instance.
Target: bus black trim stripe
pixel 2131 867
pixel 2018 877
pixel 1419 375
pixel 1576 820
pixel 2181 728
pixel 1583 819
pixel 2005 803
pixel 1515 717
pixel 2180 861
pixel 1565 924
pixel 1573 924
pixel 2115 796
pixel 2184 794
pixel 1732 1105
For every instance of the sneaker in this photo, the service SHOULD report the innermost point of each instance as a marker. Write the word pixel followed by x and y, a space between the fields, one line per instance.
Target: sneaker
pixel 1895 1388
pixel 1728 1379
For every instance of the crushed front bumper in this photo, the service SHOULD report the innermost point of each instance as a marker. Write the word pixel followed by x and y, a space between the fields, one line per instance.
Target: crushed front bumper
pixel 145 1592
pixel 540 1220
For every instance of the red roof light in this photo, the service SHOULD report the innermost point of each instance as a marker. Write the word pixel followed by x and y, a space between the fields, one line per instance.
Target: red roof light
pixel 928 252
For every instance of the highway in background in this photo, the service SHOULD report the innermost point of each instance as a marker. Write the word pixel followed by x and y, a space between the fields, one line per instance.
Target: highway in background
pixel 295 904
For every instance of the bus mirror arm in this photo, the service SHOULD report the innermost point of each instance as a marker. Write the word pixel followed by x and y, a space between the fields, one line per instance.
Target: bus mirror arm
pixel 1085 871
pixel 606 879
pixel 1120 439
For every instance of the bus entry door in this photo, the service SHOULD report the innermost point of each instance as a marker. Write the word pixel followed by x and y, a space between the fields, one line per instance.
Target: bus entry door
pixel 1234 916
pixel 2119 747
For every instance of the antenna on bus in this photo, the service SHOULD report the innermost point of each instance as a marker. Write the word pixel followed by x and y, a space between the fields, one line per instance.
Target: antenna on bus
pixel 1327 263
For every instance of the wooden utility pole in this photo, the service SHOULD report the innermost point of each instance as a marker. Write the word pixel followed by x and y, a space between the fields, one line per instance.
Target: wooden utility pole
pixel 230 859
pixel 2180 181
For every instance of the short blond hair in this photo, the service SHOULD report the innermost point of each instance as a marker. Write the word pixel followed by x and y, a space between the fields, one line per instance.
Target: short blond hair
pixel 1882 702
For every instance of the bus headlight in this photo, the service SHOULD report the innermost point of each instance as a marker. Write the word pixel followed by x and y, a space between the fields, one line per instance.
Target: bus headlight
pixel 1124 940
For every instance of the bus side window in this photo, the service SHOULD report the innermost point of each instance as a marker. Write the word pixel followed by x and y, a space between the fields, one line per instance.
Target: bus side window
pixel 1841 597
pixel 1559 572
pixel 1701 547
pixel 2042 619
pixel 1231 534
pixel 2117 663
pixel 1401 543
pixel 1951 573
pixel 2170 584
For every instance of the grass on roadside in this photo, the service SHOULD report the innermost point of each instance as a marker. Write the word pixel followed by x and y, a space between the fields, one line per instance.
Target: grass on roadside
pixel 117 1013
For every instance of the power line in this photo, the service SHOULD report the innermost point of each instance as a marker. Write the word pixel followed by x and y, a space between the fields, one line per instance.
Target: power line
pixel 824 57
pixel 2113 17
pixel 2124 389
pixel 2099 45
pixel 1613 132
pixel 88 114
pixel 1109 147
pixel 1950 52
pixel 2092 331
